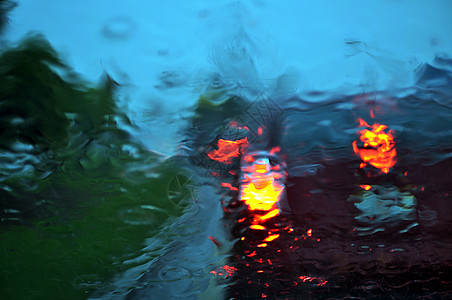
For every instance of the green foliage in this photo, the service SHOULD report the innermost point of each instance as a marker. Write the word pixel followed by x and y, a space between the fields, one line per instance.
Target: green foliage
pixel 78 194
pixel 56 133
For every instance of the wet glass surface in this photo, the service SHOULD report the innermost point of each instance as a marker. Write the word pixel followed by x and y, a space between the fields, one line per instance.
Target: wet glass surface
pixel 344 230
pixel 249 164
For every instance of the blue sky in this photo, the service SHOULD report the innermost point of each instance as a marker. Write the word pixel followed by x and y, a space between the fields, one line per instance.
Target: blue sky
pixel 332 46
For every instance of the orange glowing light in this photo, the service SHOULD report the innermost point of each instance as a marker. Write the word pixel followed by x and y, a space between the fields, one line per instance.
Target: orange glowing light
pixel 229 186
pixel 274 212
pixel 234 124
pixel 224 271
pixel 229 269
pixel 257 227
pixel 271 237
pixel 363 123
pixel 320 281
pixel 264 198
pixel 227 150
pixel 214 240
pixel 275 150
pixel 366 187
pixel 261 168
pixel 378 147
pixel 261 188
pixel 309 232
pixel 252 254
